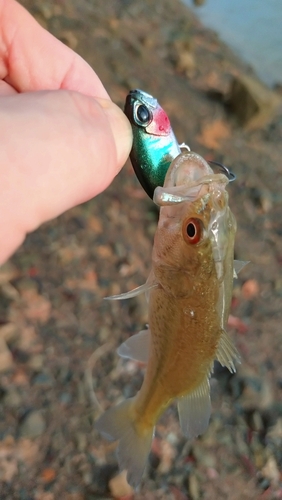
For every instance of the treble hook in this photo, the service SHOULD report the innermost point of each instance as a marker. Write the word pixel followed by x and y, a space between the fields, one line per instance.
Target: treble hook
pixel 231 177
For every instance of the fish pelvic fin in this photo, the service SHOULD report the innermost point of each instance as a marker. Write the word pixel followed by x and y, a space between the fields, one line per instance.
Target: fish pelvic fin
pixel 136 347
pixel 238 266
pixel 194 410
pixel 134 447
pixel 227 353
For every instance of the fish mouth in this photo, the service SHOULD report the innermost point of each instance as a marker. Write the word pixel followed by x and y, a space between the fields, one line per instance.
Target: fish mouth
pixel 143 97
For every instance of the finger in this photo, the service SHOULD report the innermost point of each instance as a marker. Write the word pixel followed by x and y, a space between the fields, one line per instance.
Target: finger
pixel 63 152
pixel 33 59
pixel 6 89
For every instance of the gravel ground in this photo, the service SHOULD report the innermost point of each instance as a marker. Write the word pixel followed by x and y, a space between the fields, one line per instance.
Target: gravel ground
pixel 52 315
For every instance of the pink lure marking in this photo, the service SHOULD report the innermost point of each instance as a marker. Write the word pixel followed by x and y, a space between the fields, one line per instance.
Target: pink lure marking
pixel 160 125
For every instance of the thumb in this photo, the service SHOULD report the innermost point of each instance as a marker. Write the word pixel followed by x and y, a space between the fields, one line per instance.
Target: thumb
pixel 59 149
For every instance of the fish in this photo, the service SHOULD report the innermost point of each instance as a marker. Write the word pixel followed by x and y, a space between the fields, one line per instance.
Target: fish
pixel 189 291
pixel 154 143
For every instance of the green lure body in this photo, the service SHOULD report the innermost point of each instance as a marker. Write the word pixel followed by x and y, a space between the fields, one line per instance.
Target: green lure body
pixel 154 143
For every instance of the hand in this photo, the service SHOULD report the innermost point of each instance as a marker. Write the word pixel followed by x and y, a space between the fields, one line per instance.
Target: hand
pixel 62 140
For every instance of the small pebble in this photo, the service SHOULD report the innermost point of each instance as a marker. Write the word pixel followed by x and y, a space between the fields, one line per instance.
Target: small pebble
pixel 194 487
pixel 13 398
pixel 6 358
pixel 250 289
pixel 119 486
pixel 270 470
pixel 36 362
pixel 43 379
pixel 33 425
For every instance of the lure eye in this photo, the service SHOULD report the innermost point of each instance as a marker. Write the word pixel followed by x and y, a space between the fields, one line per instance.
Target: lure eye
pixel 192 230
pixel 143 116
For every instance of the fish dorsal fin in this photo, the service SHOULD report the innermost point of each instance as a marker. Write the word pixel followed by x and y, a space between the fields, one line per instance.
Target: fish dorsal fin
pixel 194 410
pixel 226 353
pixel 238 266
pixel 133 293
pixel 136 347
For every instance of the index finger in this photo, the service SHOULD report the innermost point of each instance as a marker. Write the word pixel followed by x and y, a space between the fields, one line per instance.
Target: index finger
pixel 33 59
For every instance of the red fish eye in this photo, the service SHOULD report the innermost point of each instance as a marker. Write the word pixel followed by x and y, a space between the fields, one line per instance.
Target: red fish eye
pixel 192 230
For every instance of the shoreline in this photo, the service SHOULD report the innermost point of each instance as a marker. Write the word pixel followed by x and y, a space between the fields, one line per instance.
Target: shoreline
pixel 242 37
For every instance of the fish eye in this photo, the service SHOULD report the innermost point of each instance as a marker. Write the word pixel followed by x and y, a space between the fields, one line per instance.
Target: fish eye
pixel 192 230
pixel 143 115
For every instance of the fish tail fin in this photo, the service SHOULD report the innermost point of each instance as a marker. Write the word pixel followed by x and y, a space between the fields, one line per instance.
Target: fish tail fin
pixel 134 447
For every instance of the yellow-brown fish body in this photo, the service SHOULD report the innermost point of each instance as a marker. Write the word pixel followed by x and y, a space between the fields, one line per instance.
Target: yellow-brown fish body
pixel 189 289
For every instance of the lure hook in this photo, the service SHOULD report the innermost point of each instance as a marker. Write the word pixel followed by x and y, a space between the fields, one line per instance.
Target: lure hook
pixel 231 177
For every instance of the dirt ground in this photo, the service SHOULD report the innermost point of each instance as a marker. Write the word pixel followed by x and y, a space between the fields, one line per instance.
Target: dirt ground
pixel 52 315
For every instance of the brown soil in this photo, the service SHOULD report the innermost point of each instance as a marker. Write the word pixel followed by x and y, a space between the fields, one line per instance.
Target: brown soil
pixel 51 307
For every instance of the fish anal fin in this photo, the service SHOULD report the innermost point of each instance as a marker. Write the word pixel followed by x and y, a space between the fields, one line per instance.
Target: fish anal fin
pixel 133 448
pixel 227 353
pixel 194 410
pixel 133 293
pixel 238 266
pixel 136 347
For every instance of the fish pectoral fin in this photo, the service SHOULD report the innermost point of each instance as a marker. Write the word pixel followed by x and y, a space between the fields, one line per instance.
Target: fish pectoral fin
pixel 194 410
pixel 227 353
pixel 133 293
pixel 238 266
pixel 151 284
pixel 136 347
pixel 133 448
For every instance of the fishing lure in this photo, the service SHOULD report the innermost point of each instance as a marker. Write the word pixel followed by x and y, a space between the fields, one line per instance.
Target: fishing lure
pixel 154 143
pixel 189 293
